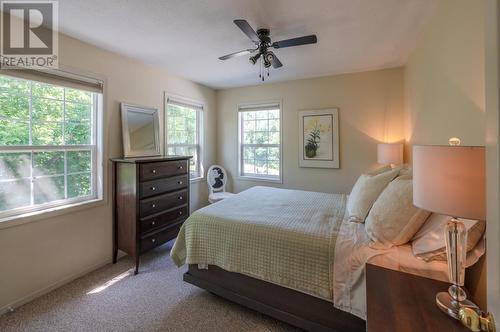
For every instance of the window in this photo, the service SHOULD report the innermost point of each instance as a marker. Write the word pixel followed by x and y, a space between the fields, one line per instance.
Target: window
pixel 183 132
pixel 260 142
pixel 48 145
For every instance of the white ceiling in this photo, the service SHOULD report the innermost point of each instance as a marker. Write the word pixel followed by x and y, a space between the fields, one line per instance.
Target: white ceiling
pixel 186 37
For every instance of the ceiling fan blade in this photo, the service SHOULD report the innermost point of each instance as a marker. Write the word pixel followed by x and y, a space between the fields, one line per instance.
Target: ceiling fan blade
pixel 235 54
pixel 311 39
pixel 276 62
pixel 247 30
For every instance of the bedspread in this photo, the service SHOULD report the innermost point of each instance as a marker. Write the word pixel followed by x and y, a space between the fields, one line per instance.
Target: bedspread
pixel 281 236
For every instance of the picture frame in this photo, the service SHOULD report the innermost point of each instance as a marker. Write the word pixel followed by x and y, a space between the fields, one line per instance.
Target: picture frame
pixel 140 131
pixel 319 138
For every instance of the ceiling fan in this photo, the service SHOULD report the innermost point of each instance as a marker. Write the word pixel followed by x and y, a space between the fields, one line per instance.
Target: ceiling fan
pixel 262 43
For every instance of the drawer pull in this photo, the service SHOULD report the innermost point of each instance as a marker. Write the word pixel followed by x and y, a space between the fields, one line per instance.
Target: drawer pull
pixel 179 182
pixel 153 240
pixel 180 197
pixel 153 205
pixel 153 223
pixel 179 167
pixel 180 213
pixel 153 188
pixel 153 171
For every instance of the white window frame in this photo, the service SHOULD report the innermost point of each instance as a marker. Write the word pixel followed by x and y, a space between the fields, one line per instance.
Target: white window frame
pixel 200 109
pixel 254 106
pixel 96 147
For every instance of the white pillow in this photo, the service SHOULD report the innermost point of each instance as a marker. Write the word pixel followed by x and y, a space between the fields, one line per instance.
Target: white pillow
pixel 379 170
pixel 364 193
pixel 429 243
pixel 393 219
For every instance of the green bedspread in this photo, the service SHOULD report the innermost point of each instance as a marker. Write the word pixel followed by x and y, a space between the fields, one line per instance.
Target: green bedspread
pixel 282 236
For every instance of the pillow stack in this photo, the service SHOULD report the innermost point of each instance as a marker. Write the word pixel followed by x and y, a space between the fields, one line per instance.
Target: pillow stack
pixel 383 200
pixel 393 220
pixel 366 191
pixel 429 243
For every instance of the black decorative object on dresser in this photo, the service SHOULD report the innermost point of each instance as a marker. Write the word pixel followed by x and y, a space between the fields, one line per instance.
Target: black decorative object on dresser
pixel 151 201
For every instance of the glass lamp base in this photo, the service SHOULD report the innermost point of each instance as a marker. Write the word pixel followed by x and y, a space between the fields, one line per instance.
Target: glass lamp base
pixel 451 307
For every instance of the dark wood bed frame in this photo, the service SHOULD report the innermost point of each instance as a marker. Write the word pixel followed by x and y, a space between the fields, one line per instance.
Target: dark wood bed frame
pixel 293 307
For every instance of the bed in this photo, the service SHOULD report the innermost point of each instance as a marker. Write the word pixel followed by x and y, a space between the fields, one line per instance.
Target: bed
pixel 290 254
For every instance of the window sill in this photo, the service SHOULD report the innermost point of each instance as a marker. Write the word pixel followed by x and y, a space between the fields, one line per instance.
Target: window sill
pixel 259 179
pixel 26 218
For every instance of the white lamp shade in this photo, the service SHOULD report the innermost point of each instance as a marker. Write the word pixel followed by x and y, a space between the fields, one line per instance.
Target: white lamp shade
pixel 390 153
pixel 450 180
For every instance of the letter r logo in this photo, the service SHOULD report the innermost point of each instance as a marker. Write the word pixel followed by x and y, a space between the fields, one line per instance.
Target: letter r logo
pixel 28 27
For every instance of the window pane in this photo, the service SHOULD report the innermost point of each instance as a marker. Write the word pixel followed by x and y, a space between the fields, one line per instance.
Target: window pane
pixel 260 114
pixel 249 126
pixel 274 153
pixel 78 112
pixel 274 125
pixel 47 91
pixel 78 161
pixel 78 96
pixel 48 189
pixel 47 133
pixel 48 163
pixel 248 138
pixel 261 153
pixel 249 167
pixel 274 138
pixel 47 110
pixel 14 85
pixel 261 137
pixel 274 167
pixel 261 128
pixel 260 166
pixel 193 162
pixel 15 165
pixel 261 125
pixel 79 185
pixel 15 194
pixel 14 106
pixel 14 132
pixel 248 152
pixel 274 114
pixel 77 133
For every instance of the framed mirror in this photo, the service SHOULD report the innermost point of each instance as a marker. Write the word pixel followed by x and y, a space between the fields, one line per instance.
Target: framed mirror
pixel 140 130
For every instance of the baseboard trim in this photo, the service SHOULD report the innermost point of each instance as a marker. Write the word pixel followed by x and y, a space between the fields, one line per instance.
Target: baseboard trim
pixel 30 297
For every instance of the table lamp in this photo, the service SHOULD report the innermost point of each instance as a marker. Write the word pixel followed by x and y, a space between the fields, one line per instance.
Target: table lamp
pixel 390 153
pixel 450 180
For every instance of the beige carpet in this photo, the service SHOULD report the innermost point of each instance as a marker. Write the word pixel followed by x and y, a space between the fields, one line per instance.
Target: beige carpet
pixel 113 299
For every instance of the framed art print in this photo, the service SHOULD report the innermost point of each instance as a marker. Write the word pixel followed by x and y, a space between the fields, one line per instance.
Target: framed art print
pixel 319 138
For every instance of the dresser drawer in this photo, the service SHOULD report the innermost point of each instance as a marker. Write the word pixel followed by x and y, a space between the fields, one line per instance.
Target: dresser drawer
pixel 163 219
pixel 154 240
pixel 152 171
pixel 160 186
pixel 157 204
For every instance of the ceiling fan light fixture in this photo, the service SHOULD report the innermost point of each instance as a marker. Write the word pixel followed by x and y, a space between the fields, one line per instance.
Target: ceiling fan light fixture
pixel 253 59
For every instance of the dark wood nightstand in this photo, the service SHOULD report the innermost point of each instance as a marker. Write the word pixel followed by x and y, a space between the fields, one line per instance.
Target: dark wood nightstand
pixel 398 301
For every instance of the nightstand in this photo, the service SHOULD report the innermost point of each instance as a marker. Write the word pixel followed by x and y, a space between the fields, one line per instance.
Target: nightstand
pixel 398 301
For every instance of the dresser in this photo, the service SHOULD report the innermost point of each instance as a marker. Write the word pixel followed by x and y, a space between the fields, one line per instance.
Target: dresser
pixel 151 201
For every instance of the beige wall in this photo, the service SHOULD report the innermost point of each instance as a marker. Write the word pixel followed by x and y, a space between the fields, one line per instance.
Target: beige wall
pixel 38 255
pixel 370 110
pixel 492 33
pixel 444 77
pixel 445 88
